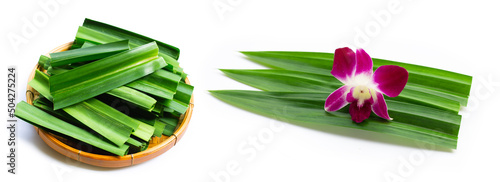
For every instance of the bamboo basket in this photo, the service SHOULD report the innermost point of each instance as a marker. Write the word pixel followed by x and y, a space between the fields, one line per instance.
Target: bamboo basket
pixel 68 148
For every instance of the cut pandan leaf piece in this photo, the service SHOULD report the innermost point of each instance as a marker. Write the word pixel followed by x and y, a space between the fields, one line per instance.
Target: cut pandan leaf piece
pixel 309 108
pixel 153 121
pixel 171 120
pixel 110 123
pixel 133 96
pixel 181 99
pixel 89 114
pixel 430 80
pixel 140 129
pixel 296 81
pixel 57 70
pixel 47 106
pixel 159 126
pixel 158 109
pixel 37 117
pixel 87 53
pixel 100 33
pixel 126 108
pixel 169 130
pixel 44 62
pixel 40 83
pixel 98 77
pixel 88 44
pixel 138 146
pixel 135 39
pixel 134 142
pixel 144 132
pixel 167 110
pixel 161 83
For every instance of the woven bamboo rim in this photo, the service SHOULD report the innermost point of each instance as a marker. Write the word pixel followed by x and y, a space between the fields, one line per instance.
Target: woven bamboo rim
pixel 157 145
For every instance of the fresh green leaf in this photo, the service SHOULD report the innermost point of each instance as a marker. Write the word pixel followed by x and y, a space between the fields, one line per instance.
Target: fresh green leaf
pixel 37 117
pixel 40 83
pixel 47 106
pixel 104 120
pixel 134 142
pixel 453 85
pixel 88 53
pixel 135 39
pixel 181 100
pixel 308 107
pixel 98 77
pixel 87 44
pixel 295 81
pixel 133 96
pixel 161 83
pixel 100 33
pixel 44 62
pixel 168 130
pixel 170 120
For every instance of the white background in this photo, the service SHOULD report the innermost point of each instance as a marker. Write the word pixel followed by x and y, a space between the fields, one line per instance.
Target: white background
pixel 457 36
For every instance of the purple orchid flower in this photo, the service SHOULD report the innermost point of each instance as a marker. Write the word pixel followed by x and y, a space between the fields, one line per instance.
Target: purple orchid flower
pixel 362 87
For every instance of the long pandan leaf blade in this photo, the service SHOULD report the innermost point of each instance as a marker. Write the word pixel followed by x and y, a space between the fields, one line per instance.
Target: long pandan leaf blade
pixel 87 53
pixel 431 80
pixel 286 80
pixel 98 77
pixel 308 107
pixel 37 117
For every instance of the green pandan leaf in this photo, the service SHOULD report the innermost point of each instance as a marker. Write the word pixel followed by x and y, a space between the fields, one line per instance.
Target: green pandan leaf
pixel 161 83
pixel 97 32
pixel 448 84
pixel 308 107
pixel 98 77
pixel 87 53
pixel 298 83
pixel 39 118
pixel 295 81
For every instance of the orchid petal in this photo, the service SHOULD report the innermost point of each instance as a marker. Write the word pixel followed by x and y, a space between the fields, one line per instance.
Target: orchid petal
pixel 391 79
pixel 364 63
pixel 344 62
pixel 379 107
pixel 359 114
pixel 336 100
pixel 349 98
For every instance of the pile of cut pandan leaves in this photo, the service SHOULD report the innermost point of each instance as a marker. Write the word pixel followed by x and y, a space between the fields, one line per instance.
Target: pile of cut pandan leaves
pixel 297 84
pixel 114 90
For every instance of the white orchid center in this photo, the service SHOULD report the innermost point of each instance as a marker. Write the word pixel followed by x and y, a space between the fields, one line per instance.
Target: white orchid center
pixel 361 93
pixel 363 88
